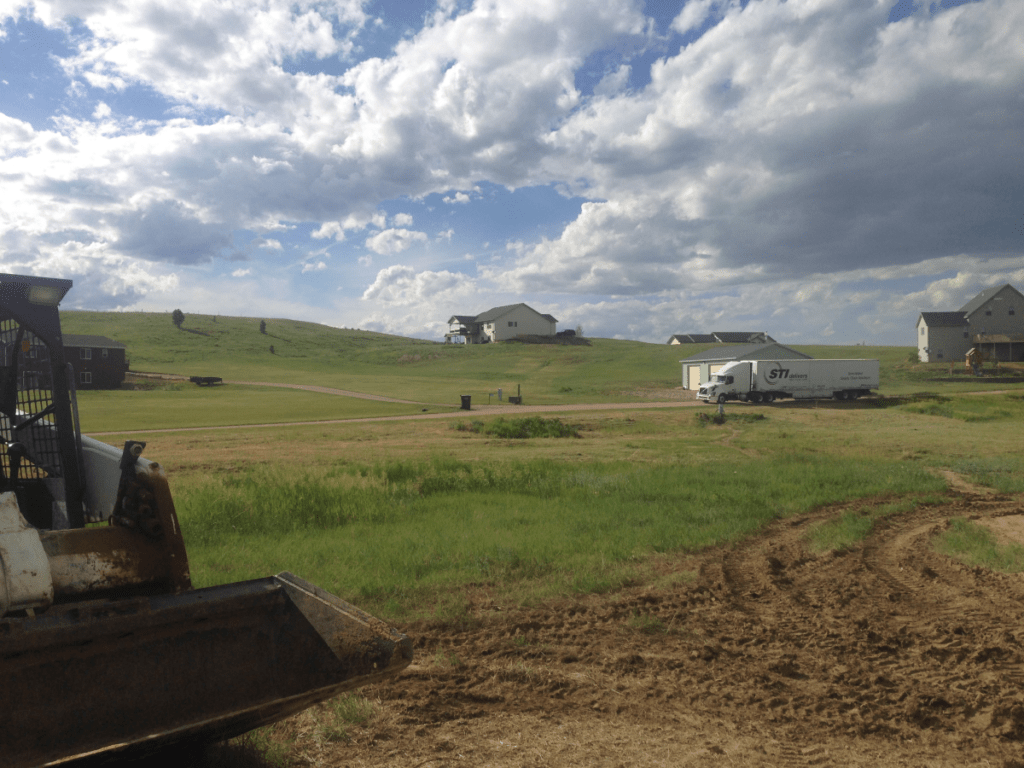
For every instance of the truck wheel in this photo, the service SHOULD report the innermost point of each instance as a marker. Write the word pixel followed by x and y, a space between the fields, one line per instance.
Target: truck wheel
pixel 721 398
pixel 839 395
pixel 755 397
pixel 769 397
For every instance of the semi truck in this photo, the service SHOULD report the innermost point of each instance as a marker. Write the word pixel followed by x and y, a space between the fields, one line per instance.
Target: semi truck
pixel 762 381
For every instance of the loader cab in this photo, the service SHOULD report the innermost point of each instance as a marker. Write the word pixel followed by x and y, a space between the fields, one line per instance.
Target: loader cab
pixel 40 443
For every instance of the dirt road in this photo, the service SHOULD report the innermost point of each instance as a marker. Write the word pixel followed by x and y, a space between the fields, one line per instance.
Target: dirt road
pixel 887 655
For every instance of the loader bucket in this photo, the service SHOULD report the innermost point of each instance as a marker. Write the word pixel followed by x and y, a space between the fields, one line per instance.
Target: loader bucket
pixel 133 675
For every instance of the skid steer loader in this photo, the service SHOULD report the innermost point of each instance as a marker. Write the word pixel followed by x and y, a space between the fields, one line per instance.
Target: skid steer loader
pixel 105 647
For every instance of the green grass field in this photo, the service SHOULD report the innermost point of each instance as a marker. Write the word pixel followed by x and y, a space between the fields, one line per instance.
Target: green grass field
pixel 402 516
pixel 607 370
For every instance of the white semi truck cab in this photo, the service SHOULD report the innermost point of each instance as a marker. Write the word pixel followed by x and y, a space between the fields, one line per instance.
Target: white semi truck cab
pixel 760 381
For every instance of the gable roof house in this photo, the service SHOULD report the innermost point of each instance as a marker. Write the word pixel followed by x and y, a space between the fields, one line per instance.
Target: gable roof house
pixel 698 368
pixel 992 320
pixel 500 324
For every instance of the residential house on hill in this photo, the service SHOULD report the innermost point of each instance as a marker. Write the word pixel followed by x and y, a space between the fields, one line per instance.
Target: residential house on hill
pixel 993 320
pixel 500 324
pixel 698 368
pixel 98 362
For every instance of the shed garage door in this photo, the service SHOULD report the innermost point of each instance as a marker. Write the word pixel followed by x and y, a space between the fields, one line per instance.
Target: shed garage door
pixel 693 377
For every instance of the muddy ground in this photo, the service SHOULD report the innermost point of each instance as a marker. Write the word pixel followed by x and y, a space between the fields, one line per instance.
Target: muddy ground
pixel 886 655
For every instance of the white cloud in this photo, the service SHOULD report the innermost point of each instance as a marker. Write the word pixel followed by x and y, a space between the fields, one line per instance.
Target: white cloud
pixel 400 284
pixel 459 197
pixel 392 241
pixel 330 229
pixel 241 273
pixel 311 266
pixel 402 220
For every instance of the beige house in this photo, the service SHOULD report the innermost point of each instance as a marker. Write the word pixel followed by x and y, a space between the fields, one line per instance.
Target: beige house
pixel 992 320
pixel 500 324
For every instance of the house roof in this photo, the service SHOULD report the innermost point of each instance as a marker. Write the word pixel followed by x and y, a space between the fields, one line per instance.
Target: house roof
pixel 978 301
pixel 693 338
pixel 85 340
pixel 747 352
pixel 944 319
pixel 463 319
pixel 496 312
pixel 739 337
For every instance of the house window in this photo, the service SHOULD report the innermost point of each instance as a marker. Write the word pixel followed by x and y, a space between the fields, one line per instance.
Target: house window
pixel 922 330
pixel 85 377
pixel 988 311
pixel 104 353
pixel 86 354
pixel 1011 310
pixel 939 354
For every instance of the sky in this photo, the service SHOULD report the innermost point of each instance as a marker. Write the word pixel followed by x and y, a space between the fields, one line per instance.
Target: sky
pixel 823 170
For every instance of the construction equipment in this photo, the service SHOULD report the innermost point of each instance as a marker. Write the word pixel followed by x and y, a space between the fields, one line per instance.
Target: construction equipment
pixel 105 647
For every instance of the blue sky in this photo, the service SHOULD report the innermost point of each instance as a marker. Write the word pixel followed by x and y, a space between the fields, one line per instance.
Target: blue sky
pixel 818 169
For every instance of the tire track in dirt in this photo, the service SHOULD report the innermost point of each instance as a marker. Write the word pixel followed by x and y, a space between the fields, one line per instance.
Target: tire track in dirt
pixel 768 654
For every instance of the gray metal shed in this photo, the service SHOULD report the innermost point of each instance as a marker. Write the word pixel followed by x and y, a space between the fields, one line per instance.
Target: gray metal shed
pixel 698 368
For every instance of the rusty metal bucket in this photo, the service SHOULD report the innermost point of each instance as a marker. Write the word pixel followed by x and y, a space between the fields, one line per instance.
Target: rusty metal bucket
pixel 136 674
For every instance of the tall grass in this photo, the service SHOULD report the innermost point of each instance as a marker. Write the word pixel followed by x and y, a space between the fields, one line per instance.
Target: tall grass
pixel 391 536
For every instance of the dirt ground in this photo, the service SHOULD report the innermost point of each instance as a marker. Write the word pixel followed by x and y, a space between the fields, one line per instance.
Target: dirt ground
pixel 887 655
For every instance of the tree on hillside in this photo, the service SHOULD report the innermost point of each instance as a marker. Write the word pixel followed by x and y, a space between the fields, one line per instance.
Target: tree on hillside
pixel 177 317
pixel 263 326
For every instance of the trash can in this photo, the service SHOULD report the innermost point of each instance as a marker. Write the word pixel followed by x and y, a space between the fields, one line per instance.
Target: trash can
pixel 465 402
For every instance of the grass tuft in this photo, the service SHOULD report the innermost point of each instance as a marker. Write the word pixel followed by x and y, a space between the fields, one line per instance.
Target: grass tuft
pixel 519 429
pixel 976 545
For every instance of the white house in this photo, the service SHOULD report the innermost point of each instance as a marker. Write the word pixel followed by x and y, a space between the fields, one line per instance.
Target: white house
pixel 500 324
pixel 992 320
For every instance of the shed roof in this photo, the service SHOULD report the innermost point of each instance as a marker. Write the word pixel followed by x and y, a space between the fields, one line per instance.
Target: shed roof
pixel 86 340
pixel 747 352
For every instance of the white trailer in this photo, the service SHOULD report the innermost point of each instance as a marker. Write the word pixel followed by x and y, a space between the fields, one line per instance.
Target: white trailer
pixel 760 381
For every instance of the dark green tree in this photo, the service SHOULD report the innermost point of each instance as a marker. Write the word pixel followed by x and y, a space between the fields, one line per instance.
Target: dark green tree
pixel 177 317
pixel 263 326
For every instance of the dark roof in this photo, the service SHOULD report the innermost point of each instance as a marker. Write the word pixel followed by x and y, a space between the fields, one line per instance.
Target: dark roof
pixel 944 319
pixel 84 340
pixel 740 337
pixel 748 352
pixel 495 312
pixel 464 319
pixel 975 304
pixel 694 338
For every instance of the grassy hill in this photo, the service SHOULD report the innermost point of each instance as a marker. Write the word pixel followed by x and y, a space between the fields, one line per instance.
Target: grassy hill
pixel 425 371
